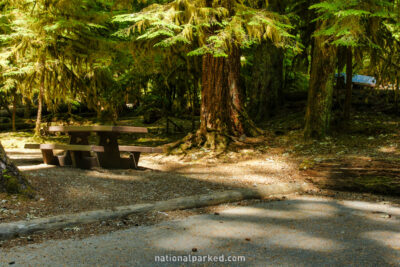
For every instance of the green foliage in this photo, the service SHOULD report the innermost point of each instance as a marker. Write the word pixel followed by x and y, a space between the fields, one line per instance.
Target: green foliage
pixel 202 28
pixel 104 54
pixel 352 22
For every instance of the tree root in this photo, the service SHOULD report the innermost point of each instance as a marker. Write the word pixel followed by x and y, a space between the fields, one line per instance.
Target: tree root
pixel 212 140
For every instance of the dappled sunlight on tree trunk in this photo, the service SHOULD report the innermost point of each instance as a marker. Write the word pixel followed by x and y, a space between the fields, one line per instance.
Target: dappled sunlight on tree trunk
pixel 318 113
pixel 11 180
pixel 222 111
pixel 14 112
pixel 40 107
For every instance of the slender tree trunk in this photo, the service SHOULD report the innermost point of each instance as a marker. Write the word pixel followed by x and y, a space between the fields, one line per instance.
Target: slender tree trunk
pixel 98 112
pixel 265 88
pixel 396 95
pixel 195 101
pixel 318 113
pixel 40 106
pixel 341 63
pixel 11 180
pixel 349 84
pixel 14 111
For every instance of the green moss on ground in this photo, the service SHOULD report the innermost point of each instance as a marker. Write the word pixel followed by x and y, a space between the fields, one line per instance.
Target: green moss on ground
pixel 12 185
pixel 378 184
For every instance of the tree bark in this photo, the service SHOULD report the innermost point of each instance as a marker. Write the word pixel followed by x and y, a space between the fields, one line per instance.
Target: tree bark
pixel 222 112
pixel 349 84
pixel 396 95
pixel 11 180
pixel 14 111
pixel 40 106
pixel 318 113
pixel 340 83
pixel 265 88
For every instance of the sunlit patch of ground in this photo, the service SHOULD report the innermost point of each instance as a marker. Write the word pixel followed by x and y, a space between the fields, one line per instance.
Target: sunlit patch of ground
pixel 68 190
pixel 364 159
pixel 388 149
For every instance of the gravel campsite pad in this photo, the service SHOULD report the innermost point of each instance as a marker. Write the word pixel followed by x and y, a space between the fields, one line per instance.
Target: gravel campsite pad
pixel 69 190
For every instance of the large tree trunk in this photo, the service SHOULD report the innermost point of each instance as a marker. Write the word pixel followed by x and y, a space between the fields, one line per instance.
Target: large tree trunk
pixel 222 112
pixel 265 88
pixel 11 180
pixel 349 84
pixel 318 113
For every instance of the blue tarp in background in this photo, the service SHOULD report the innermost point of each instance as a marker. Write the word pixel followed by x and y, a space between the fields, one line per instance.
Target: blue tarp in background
pixel 361 79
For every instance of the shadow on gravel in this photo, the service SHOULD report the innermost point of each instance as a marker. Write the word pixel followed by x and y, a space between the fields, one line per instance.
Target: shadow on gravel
pixel 71 190
pixel 379 174
pixel 311 232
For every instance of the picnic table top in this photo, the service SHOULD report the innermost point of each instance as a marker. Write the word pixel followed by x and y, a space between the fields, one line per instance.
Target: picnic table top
pixel 98 128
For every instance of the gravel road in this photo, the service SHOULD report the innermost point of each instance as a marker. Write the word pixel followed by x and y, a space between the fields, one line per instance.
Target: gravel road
pixel 303 231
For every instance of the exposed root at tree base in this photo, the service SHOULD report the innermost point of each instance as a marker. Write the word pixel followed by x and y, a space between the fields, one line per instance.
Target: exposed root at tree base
pixel 212 140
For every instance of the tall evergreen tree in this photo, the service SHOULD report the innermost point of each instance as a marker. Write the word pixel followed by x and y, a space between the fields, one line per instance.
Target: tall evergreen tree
pixel 267 81
pixel 346 23
pixel 58 46
pixel 216 31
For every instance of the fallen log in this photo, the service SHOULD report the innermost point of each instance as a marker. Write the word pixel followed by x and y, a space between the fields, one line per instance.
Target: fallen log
pixel 15 229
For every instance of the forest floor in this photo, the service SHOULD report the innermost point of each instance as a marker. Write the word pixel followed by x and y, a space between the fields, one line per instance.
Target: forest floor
pixel 362 163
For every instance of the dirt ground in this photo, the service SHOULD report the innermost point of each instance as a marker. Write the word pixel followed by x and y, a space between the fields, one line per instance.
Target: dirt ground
pixel 362 163
pixel 68 190
pixel 161 177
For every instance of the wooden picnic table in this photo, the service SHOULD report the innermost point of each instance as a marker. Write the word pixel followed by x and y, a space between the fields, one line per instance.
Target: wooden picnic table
pixel 108 150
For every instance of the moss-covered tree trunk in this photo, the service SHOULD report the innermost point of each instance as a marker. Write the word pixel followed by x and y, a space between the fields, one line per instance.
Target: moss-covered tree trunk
pixel 349 84
pixel 318 112
pixel 222 112
pixel 11 180
pixel 265 88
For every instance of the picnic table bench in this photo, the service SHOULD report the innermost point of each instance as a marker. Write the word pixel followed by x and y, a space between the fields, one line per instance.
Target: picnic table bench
pixel 78 151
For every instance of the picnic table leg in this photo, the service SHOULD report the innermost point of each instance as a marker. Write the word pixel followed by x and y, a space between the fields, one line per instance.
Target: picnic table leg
pixel 48 157
pixel 135 158
pixel 65 160
pixel 111 158
pixel 132 162
pixel 80 159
